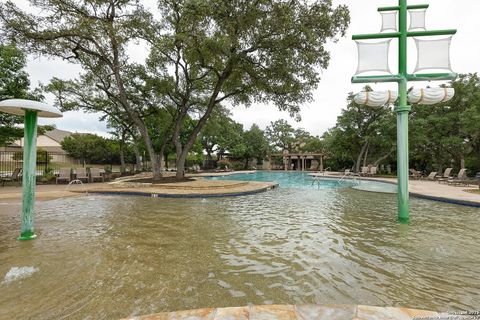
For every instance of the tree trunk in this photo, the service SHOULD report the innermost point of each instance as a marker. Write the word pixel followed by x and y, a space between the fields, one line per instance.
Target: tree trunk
pixel 137 156
pixel 122 161
pixel 462 162
pixel 359 158
pixel 181 165
pixel 182 151
pixel 366 155
pixel 246 163
pixel 377 162
pixel 122 153
pixel 157 175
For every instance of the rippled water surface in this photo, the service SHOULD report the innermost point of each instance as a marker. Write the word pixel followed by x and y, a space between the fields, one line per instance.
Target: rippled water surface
pixel 107 257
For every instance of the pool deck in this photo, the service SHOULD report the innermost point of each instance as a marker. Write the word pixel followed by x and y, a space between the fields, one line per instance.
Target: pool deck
pixel 293 312
pixel 430 190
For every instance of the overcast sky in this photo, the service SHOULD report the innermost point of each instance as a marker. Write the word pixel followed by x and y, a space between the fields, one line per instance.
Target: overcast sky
pixel 329 97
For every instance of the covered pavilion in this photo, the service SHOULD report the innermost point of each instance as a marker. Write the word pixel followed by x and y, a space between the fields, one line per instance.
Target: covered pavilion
pixel 299 161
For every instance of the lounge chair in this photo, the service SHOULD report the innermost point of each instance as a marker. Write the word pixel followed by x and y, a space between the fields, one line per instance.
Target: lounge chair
pixel 14 177
pixel 460 179
pixel 64 175
pixel 415 175
pixel 372 171
pixel 95 174
pixel 432 176
pixel 364 171
pixel 447 175
pixel 81 174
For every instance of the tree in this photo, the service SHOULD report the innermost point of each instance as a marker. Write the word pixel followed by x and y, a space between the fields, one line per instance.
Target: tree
pixel 448 131
pixel 361 133
pixel 281 135
pixel 14 83
pixel 94 34
pixel 241 51
pixel 90 148
pixel 313 144
pixel 256 145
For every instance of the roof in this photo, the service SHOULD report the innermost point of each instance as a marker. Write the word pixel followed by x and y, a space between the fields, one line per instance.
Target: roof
pixel 58 135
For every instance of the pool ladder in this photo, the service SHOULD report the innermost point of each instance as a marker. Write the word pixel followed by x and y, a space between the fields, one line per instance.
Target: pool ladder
pixel 355 178
pixel 317 179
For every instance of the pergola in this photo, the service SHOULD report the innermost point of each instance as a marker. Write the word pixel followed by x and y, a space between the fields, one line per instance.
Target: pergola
pixel 299 160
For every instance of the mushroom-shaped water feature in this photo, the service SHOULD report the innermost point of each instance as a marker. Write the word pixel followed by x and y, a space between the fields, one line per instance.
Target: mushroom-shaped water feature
pixel 31 110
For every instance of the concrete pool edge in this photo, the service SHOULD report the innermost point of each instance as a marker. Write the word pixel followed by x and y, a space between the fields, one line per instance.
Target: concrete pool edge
pixel 300 312
pixel 417 193
pixel 188 193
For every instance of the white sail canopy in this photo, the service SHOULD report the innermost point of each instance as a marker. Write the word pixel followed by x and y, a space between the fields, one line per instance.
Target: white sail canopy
pixel 376 98
pixel 433 54
pixel 430 96
pixel 373 56
pixel 427 96
pixel 417 19
pixel 389 20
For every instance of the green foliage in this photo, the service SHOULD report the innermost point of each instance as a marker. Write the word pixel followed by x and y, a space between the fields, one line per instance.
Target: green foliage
pixel 90 148
pixel 281 135
pixel 448 132
pixel 440 135
pixel 14 83
pixel 42 156
pixel 218 50
pixel 362 135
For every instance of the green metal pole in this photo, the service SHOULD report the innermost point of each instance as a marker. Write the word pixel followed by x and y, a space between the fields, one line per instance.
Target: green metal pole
pixel 402 119
pixel 29 175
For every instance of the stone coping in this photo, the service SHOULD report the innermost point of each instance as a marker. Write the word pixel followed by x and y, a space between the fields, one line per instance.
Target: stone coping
pixel 184 189
pixel 294 312
pixel 185 185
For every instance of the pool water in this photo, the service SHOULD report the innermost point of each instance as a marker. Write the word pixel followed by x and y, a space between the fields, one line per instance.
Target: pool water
pixel 109 257
pixel 303 180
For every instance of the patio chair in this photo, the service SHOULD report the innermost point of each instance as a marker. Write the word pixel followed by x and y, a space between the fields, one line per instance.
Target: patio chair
pixel 432 176
pixel 64 175
pixel 460 179
pixel 415 175
pixel 372 171
pixel 14 177
pixel 447 175
pixel 81 174
pixel 364 171
pixel 95 174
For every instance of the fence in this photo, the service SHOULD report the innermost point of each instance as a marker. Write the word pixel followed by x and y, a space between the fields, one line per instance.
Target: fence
pixel 50 163
pixel 47 162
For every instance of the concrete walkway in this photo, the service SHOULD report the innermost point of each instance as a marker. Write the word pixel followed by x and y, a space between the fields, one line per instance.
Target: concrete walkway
pixel 429 190
pixel 294 312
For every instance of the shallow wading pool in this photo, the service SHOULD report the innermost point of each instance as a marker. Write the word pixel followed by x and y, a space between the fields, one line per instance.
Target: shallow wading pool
pixel 106 257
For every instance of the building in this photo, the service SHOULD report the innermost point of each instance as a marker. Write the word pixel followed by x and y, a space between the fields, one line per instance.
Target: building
pixel 50 142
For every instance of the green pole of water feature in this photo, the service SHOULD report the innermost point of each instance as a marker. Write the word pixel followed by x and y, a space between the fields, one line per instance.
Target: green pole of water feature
pixel 29 175
pixel 402 78
pixel 402 111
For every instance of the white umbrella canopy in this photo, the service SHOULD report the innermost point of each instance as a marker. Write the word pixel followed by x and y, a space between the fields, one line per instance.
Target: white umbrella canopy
pixel 19 106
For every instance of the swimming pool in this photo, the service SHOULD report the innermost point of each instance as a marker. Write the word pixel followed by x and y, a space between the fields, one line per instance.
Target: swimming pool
pixel 304 180
pixel 107 257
